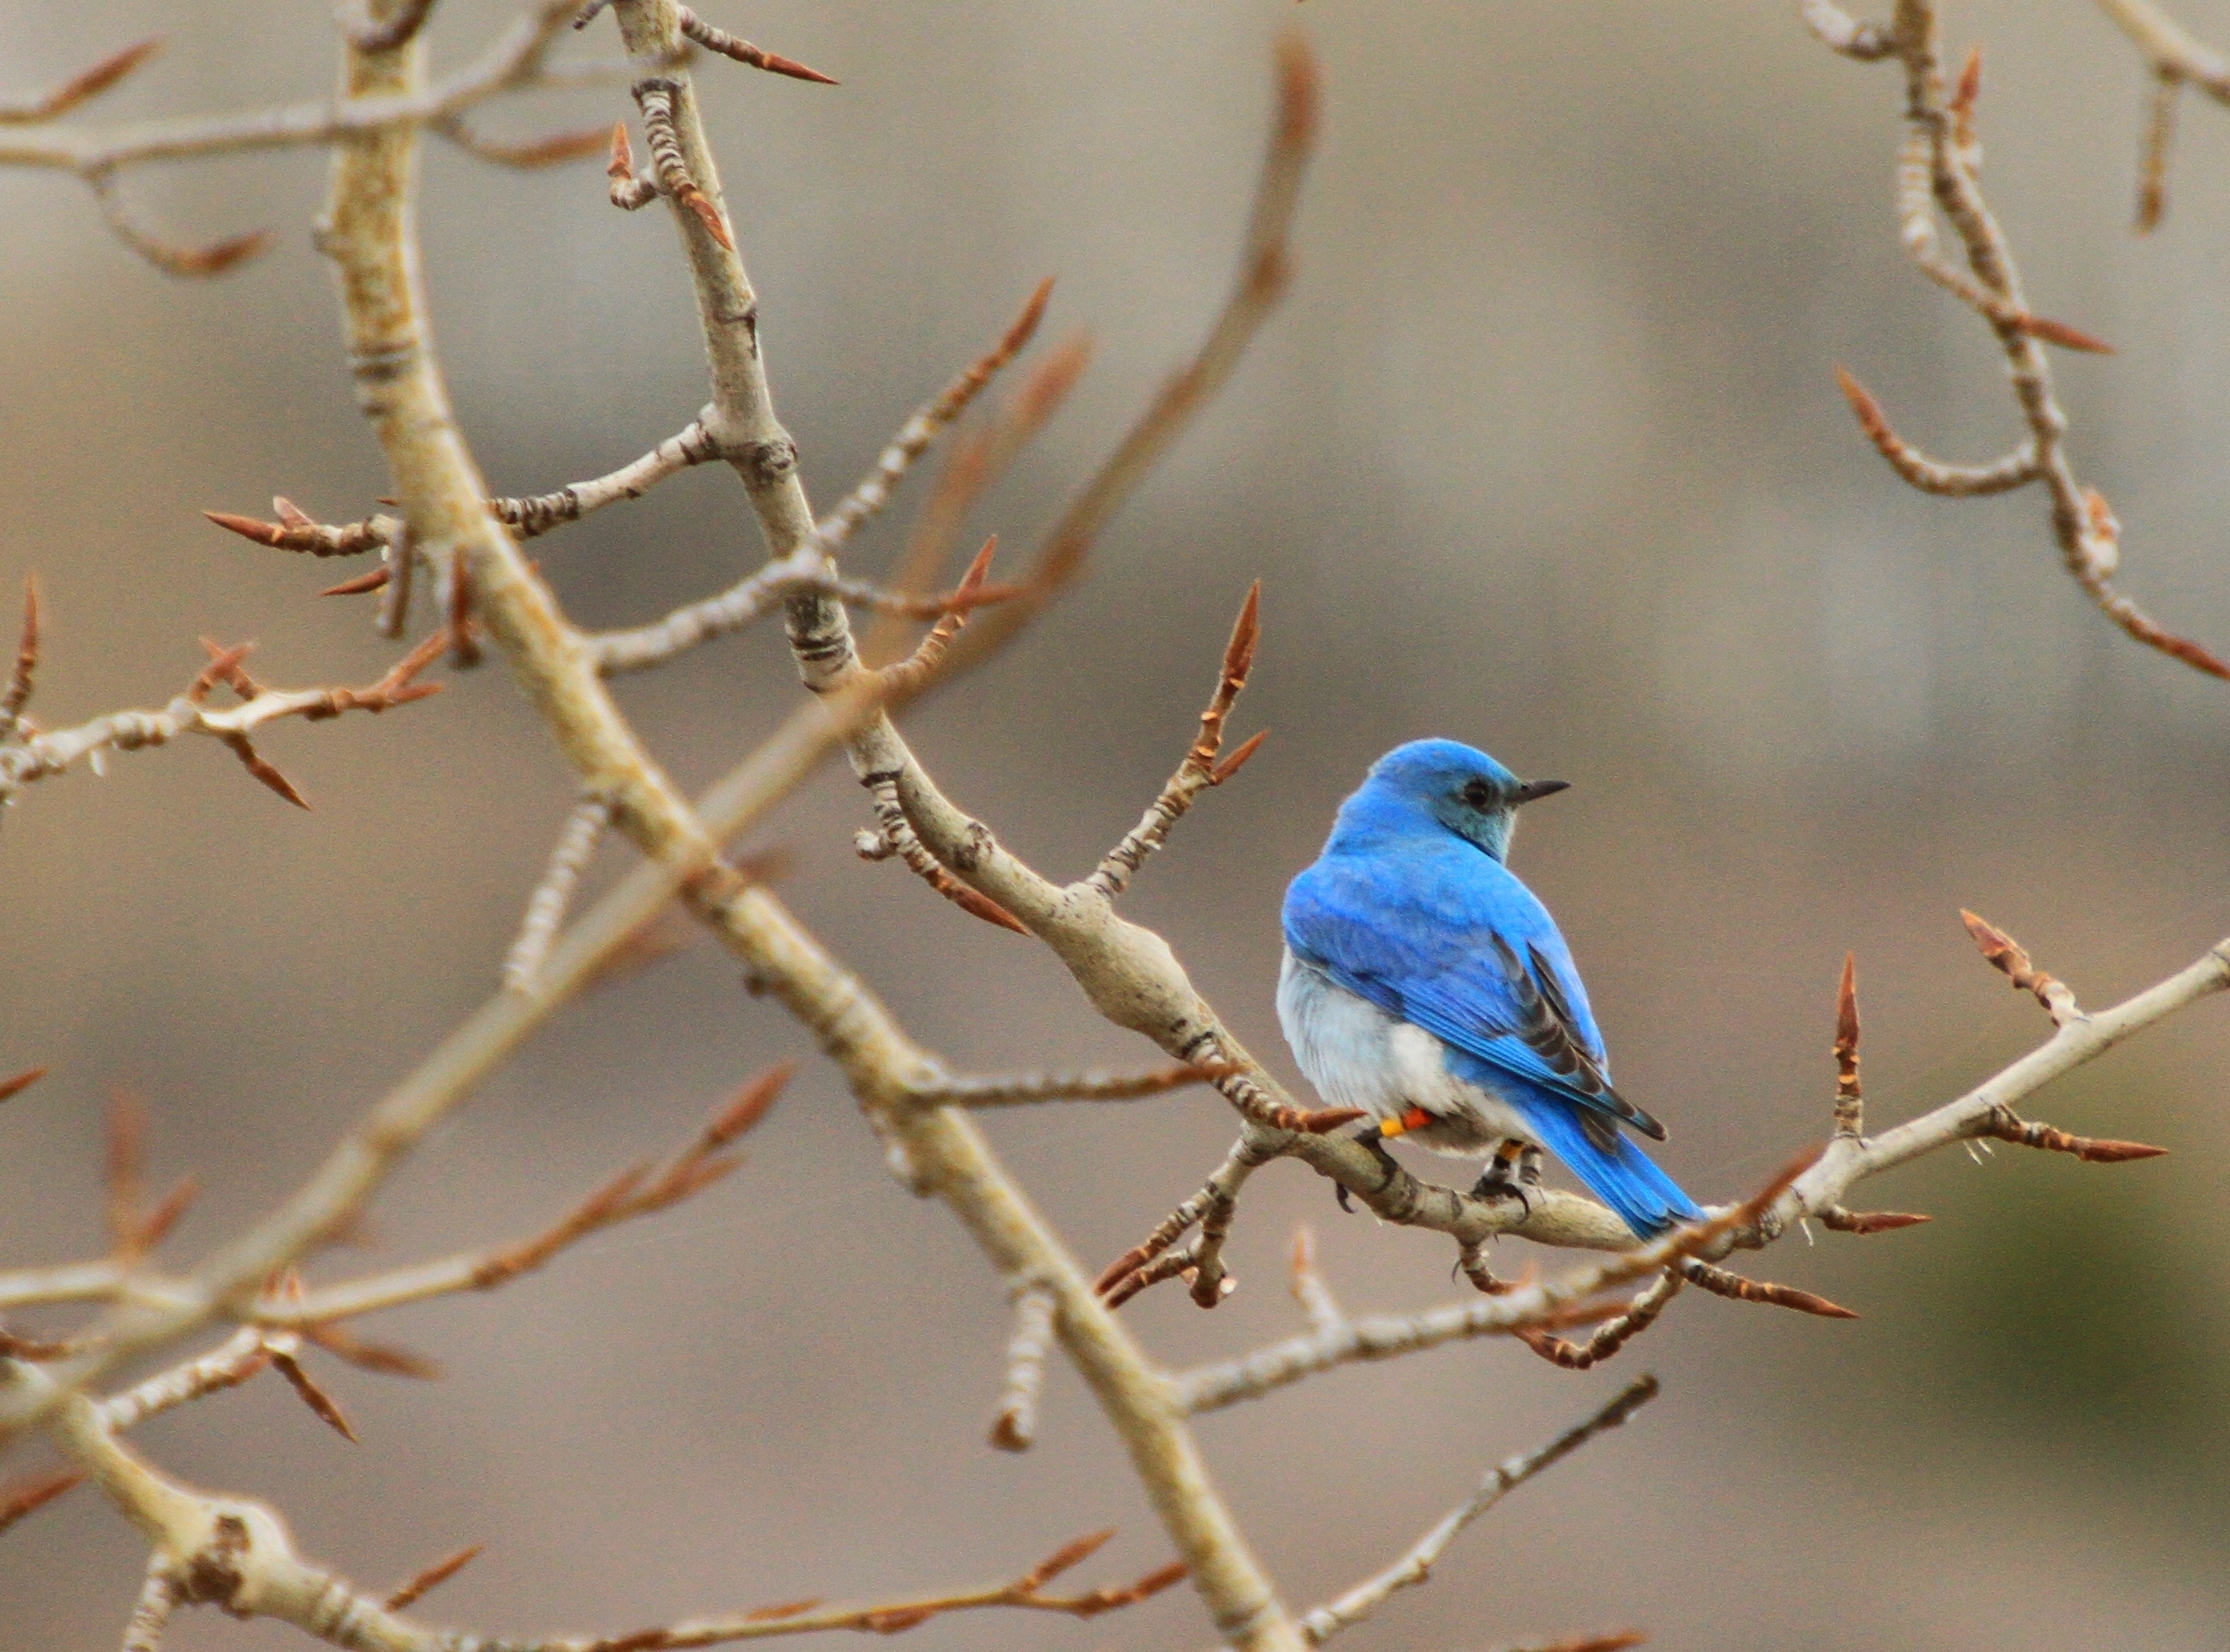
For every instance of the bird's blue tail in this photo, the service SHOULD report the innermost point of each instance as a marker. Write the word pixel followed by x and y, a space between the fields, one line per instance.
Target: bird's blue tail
pixel 1621 1175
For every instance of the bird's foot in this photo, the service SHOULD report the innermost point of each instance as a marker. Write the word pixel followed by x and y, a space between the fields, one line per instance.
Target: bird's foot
pixel 1515 1168
pixel 1373 1136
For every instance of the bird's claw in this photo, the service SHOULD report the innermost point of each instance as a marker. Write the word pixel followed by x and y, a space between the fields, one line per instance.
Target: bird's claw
pixel 1372 1136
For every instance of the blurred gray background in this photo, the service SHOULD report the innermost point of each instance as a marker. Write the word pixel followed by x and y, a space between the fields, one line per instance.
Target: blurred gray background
pixel 1544 453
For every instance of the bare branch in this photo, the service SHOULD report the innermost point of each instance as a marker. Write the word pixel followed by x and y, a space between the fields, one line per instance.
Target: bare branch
pixel 1016 1427
pixel 158 1598
pixel 514 62
pixel 640 1191
pixel 1612 1334
pixel 2168 48
pixel 1939 171
pixel 2159 140
pixel 1201 1260
pixel 1265 269
pixel 1309 1287
pixel 1028 1089
pixel 2016 470
pixel 294 531
pixel 542 512
pixel 758 595
pixel 212 258
pixel 977 458
pixel 1416 1564
pixel 545 909
pixel 868 498
pixel 240 1357
pixel 2004 1126
pixel 553 150
pixel 1513 1310
pixel 654 97
pixel 44 755
pixel 123 1167
pixel 1200 769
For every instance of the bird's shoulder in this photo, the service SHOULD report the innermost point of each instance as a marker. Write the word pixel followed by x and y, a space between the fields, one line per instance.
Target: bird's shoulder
pixel 1433 899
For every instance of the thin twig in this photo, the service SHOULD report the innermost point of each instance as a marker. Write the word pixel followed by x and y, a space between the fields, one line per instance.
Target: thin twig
pixel 1939 171
pixel 44 755
pixel 546 907
pixel 1309 1288
pixel 644 647
pixel 1414 1567
pixel 869 496
pixel 1016 1427
pixel 1028 1089
pixel 158 1598
pixel 639 1190
pixel 1613 1333
pixel 1200 768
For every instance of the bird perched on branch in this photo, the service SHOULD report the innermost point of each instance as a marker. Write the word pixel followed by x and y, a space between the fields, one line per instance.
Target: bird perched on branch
pixel 1425 985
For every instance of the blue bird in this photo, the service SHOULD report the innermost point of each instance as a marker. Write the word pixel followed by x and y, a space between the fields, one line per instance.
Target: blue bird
pixel 1425 985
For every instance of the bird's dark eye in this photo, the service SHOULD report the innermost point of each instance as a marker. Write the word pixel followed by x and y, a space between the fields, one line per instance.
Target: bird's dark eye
pixel 1477 793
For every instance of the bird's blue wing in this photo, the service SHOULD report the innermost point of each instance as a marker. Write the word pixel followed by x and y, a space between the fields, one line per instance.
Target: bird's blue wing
pixel 1449 939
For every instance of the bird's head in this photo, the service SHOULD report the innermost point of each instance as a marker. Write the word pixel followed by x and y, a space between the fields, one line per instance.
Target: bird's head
pixel 1448 785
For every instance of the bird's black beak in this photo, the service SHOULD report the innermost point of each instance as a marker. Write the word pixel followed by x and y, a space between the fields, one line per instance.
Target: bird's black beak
pixel 1533 789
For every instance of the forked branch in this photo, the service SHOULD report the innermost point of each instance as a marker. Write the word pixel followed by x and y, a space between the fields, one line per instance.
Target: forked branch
pixel 1940 171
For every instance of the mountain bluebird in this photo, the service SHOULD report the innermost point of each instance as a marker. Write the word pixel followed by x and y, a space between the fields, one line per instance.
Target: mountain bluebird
pixel 1424 983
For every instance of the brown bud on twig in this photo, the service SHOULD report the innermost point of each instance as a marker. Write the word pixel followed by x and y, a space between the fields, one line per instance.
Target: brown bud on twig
pixel 433 1578
pixel 535 153
pixel 381 1357
pixel 1071 1554
pixel 80 88
pixel 2008 956
pixel 720 40
pixel 158 1222
pixel 1850 1107
pixel 316 1398
pixel 30 1495
pixel 1719 1282
pixel 374 580
pixel 20 1082
pixel 1835 1218
pixel 2003 1125
pixel 296 531
pixel 655 98
pixel 17 695
pixel 2059 332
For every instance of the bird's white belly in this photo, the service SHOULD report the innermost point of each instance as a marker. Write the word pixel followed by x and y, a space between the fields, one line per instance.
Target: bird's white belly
pixel 1359 1057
